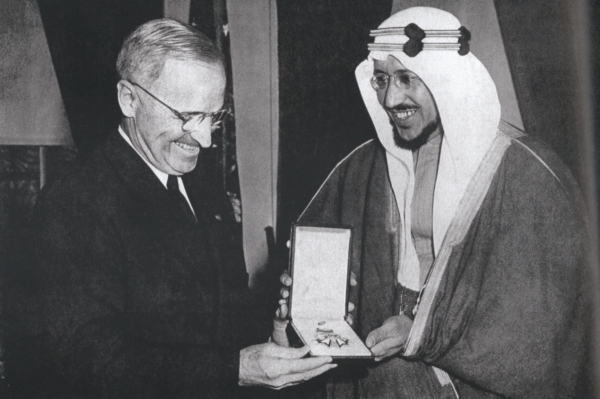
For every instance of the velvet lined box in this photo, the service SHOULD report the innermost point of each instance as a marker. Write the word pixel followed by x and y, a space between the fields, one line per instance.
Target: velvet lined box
pixel 319 267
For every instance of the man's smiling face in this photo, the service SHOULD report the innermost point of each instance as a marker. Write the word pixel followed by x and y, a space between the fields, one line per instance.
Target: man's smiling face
pixel 409 104
pixel 164 140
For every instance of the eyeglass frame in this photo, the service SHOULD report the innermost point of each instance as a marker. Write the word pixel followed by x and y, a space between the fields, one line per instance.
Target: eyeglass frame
pixel 185 117
pixel 396 78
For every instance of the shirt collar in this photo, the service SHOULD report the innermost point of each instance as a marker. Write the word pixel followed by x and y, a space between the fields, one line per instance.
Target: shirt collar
pixel 162 176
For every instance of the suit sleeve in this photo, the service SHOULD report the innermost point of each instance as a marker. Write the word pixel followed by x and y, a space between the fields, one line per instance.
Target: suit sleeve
pixel 84 339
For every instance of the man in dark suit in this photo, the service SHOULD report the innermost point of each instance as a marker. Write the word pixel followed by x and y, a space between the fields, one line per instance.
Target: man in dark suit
pixel 141 286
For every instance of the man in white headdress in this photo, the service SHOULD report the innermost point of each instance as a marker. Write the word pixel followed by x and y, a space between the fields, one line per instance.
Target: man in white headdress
pixel 469 240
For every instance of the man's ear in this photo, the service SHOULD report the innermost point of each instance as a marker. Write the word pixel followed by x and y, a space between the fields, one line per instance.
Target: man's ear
pixel 127 97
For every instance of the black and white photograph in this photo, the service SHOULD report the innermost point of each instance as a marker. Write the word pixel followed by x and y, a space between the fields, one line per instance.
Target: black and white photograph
pixel 299 199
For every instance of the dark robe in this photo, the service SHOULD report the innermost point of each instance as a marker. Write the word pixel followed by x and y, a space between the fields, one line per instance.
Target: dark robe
pixel 510 317
pixel 130 298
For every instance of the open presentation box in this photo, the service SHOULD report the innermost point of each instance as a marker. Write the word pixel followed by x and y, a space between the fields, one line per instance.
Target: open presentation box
pixel 319 267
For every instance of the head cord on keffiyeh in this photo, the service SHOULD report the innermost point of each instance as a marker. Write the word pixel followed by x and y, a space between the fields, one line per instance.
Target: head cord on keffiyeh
pixel 469 110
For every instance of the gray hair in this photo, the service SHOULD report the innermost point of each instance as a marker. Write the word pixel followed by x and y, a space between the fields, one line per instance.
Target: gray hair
pixel 146 49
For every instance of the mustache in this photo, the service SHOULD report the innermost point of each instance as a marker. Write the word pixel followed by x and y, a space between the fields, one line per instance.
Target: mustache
pixel 401 107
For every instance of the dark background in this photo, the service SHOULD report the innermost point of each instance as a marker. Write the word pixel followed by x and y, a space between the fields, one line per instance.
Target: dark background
pixel 322 115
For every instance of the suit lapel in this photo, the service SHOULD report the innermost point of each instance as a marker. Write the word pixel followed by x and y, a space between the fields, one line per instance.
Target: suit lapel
pixel 141 181
pixel 163 219
pixel 196 188
pixel 135 174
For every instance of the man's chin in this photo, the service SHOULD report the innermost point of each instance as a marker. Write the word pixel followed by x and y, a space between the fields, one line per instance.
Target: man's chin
pixel 419 140
pixel 183 166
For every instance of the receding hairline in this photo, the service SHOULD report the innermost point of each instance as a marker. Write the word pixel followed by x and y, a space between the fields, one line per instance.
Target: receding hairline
pixel 145 51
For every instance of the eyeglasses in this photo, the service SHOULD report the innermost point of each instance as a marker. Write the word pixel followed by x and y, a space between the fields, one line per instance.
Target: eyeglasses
pixel 216 118
pixel 403 80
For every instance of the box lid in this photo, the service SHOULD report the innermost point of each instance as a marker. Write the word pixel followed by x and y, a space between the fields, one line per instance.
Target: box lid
pixel 319 270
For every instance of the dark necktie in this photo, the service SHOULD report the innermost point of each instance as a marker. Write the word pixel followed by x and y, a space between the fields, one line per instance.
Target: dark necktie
pixel 178 198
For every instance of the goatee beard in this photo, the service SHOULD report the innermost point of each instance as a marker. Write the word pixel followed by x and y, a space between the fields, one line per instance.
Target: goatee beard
pixel 418 141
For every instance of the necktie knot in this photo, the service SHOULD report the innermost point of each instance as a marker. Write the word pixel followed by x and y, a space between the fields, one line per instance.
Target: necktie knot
pixel 172 183
pixel 178 198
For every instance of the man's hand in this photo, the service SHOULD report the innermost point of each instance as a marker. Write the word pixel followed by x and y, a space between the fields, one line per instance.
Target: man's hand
pixel 280 324
pixel 276 367
pixel 390 338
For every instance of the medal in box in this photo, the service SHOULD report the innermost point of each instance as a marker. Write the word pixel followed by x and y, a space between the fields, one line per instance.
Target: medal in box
pixel 319 267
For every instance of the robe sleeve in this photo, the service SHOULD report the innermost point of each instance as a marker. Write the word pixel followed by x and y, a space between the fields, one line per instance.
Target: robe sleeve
pixel 324 207
pixel 341 198
pixel 511 315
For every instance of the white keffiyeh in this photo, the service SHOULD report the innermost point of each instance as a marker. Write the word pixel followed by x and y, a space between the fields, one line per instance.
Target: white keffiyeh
pixel 469 110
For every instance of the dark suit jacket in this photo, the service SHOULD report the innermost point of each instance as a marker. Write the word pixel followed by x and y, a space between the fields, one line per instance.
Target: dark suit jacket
pixel 132 299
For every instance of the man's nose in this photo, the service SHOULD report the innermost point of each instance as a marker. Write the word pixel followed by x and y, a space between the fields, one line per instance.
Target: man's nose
pixel 394 95
pixel 200 131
